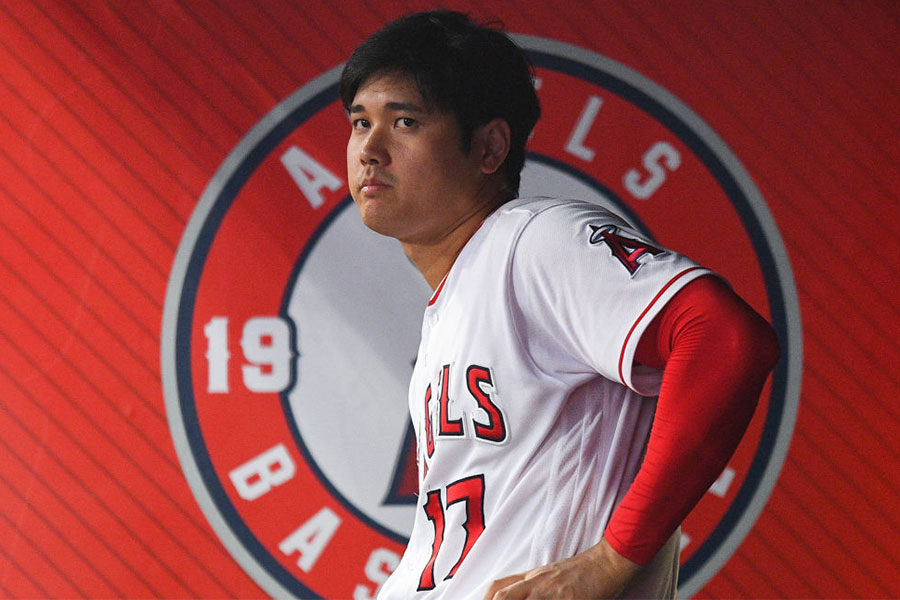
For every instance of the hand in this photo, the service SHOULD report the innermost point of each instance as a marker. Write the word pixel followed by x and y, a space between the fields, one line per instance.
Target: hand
pixel 598 572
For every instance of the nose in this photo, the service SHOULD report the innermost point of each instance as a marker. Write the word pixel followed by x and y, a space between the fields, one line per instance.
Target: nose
pixel 374 150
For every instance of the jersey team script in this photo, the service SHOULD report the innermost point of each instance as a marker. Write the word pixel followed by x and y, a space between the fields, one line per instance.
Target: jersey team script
pixel 531 419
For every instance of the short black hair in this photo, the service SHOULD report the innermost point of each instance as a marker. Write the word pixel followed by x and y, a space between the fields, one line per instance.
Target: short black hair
pixel 476 72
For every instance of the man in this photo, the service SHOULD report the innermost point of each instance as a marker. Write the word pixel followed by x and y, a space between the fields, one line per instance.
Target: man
pixel 552 328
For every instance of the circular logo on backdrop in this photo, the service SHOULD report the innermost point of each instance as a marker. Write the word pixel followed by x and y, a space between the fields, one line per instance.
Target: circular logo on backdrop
pixel 290 329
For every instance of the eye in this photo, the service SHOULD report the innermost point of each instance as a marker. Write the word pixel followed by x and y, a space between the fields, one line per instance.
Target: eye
pixel 360 123
pixel 406 122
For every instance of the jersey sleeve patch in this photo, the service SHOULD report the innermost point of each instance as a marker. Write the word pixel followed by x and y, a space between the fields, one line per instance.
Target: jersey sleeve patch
pixel 625 249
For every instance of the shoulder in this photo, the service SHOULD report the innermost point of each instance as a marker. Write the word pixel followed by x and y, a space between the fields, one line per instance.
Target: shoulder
pixel 555 224
pixel 556 209
pixel 568 237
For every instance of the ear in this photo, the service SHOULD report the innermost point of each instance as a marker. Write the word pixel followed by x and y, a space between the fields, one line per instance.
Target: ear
pixel 491 141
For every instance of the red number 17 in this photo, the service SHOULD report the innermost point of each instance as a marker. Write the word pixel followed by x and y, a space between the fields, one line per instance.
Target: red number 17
pixel 470 491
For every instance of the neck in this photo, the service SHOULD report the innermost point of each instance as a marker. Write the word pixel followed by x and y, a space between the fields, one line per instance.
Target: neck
pixel 435 257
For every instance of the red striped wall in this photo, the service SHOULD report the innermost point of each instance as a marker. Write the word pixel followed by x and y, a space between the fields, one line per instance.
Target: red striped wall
pixel 115 115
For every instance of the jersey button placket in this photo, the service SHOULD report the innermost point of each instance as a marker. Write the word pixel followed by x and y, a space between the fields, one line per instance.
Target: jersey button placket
pixel 431 319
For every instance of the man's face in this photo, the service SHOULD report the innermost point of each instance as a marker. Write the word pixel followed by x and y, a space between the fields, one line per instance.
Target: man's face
pixel 407 172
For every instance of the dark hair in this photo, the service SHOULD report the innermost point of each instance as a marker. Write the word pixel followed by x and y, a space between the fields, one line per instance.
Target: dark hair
pixel 475 72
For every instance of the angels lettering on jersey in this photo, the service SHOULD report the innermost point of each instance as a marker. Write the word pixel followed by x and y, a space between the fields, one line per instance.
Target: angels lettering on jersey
pixel 475 415
pixel 461 408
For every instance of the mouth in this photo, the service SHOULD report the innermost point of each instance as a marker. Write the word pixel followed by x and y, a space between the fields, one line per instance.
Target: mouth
pixel 373 185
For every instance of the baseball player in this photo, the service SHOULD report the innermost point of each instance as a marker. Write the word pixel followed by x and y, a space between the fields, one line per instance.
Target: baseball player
pixel 577 387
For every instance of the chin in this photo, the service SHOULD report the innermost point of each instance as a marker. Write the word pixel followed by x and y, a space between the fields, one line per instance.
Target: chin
pixel 377 223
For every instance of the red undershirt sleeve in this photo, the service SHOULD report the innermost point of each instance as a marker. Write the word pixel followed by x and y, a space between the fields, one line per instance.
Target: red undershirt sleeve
pixel 716 353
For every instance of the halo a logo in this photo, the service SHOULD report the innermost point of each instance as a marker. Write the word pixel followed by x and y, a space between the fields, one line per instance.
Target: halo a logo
pixel 290 329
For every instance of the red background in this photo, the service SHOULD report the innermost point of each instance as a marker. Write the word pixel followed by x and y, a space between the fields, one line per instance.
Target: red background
pixel 115 115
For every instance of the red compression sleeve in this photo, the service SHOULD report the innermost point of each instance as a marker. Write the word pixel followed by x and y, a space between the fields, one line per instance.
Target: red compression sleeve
pixel 717 353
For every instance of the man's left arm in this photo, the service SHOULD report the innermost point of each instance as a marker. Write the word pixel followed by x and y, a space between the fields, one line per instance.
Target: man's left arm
pixel 716 353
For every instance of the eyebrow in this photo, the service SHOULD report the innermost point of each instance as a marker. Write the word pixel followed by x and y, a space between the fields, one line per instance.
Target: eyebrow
pixel 392 106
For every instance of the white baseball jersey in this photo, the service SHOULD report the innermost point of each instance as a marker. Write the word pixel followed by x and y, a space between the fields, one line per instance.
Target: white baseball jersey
pixel 530 418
